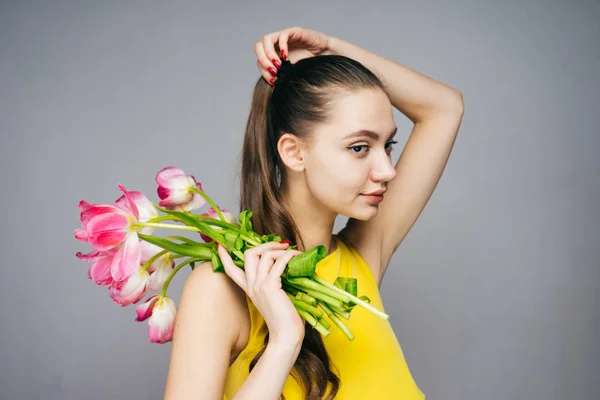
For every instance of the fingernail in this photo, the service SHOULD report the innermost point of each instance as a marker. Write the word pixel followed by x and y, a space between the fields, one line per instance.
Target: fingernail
pixel 272 81
pixel 277 63
pixel 285 242
pixel 272 71
pixel 283 55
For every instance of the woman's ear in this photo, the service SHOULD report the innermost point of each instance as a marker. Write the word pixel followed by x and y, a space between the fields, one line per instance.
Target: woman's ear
pixel 290 150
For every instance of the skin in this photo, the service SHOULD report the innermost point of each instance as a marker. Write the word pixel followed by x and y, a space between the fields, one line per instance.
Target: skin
pixel 325 178
pixel 329 173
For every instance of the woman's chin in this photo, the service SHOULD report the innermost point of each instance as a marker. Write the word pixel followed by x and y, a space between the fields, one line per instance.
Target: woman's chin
pixel 364 213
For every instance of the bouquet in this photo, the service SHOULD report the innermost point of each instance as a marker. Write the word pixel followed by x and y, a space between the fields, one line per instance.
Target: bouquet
pixel 130 261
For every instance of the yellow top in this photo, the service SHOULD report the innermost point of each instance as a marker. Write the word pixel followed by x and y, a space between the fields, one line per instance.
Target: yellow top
pixel 372 366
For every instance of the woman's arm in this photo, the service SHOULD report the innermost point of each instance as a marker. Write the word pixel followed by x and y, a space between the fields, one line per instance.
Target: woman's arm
pixel 270 373
pixel 207 328
pixel 436 110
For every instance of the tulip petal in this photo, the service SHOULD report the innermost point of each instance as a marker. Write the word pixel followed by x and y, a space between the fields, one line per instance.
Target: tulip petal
pixel 82 235
pixel 132 290
pixel 99 271
pixel 164 176
pixel 89 211
pixel 144 310
pixel 160 276
pixel 127 259
pixel 145 208
pixel 172 197
pixel 132 205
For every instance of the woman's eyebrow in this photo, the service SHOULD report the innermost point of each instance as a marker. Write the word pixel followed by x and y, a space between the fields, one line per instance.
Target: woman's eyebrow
pixel 367 133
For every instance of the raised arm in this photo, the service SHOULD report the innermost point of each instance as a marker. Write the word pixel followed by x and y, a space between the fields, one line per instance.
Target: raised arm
pixel 436 111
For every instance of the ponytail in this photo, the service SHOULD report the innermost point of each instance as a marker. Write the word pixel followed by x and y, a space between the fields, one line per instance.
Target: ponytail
pixel 299 102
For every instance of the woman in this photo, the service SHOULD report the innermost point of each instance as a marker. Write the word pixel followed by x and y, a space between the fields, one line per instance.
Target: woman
pixel 317 144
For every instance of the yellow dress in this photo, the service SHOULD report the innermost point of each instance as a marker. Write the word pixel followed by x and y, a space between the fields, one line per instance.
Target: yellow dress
pixel 372 366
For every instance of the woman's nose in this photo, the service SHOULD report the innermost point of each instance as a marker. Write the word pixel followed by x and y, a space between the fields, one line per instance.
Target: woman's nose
pixel 383 170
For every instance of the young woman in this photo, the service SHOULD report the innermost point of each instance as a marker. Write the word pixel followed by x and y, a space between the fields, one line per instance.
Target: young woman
pixel 317 144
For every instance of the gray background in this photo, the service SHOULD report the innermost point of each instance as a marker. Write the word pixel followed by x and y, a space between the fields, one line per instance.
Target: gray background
pixel 494 293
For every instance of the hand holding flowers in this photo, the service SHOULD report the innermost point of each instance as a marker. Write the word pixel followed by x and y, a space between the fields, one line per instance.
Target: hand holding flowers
pixel 129 260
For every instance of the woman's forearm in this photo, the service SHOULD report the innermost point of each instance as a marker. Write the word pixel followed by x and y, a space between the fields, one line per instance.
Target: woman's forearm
pixel 412 93
pixel 270 373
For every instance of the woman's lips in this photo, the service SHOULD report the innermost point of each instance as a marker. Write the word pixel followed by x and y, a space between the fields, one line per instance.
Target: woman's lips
pixel 375 198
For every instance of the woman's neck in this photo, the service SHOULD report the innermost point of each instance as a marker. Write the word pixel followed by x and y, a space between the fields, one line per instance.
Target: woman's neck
pixel 314 221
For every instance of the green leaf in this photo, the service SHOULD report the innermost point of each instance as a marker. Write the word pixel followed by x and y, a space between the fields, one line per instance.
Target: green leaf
pixel 191 221
pixel 304 264
pixel 244 220
pixel 216 263
pixel 350 285
pixel 271 238
pixel 200 251
pixel 186 240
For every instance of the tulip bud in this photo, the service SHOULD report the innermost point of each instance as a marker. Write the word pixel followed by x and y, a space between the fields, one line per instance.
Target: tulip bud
pixel 162 322
pixel 175 190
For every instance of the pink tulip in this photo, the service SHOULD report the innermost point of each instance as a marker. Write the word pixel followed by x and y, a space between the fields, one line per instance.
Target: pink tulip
pixel 145 209
pixel 149 250
pixel 132 290
pixel 162 273
pixel 104 226
pixel 100 265
pixel 107 227
pixel 162 321
pixel 174 190
pixel 230 218
pixel 144 310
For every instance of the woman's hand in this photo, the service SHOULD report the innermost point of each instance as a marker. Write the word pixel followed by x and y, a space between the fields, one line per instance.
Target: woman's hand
pixel 293 44
pixel 261 280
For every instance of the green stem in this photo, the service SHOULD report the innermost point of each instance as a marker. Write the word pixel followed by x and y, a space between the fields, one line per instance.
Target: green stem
pixel 353 298
pixel 306 298
pixel 340 312
pixel 324 322
pixel 314 322
pixel 169 226
pixel 163 218
pixel 216 222
pixel 311 284
pixel 336 320
pixel 185 240
pixel 213 205
pixel 314 311
pixel 175 270
pixel 320 296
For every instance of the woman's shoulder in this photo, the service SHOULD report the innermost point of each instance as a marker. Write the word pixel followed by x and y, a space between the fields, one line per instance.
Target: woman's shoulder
pixel 225 294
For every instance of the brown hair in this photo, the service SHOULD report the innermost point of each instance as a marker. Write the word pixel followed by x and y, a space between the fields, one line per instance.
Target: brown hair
pixel 303 97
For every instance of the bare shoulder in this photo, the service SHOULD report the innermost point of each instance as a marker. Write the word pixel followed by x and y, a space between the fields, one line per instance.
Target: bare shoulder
pixel 211 326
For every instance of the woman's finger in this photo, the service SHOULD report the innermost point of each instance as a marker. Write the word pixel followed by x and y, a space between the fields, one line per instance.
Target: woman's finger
pixel 264 266
pixel 281 263
pixel 251 259
pixel 269 42
pixel 232 270
pixel 283 43
pixel 284 39
pixel 265 66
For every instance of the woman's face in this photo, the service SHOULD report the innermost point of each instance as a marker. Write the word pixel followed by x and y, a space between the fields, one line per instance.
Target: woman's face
pixel 343 163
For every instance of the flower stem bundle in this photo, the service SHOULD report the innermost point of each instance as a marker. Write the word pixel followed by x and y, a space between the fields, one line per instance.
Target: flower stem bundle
pixel 130 260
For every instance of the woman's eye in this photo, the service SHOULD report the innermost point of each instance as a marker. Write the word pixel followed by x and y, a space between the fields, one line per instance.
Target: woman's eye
pixel 389 146
pixel 356 149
